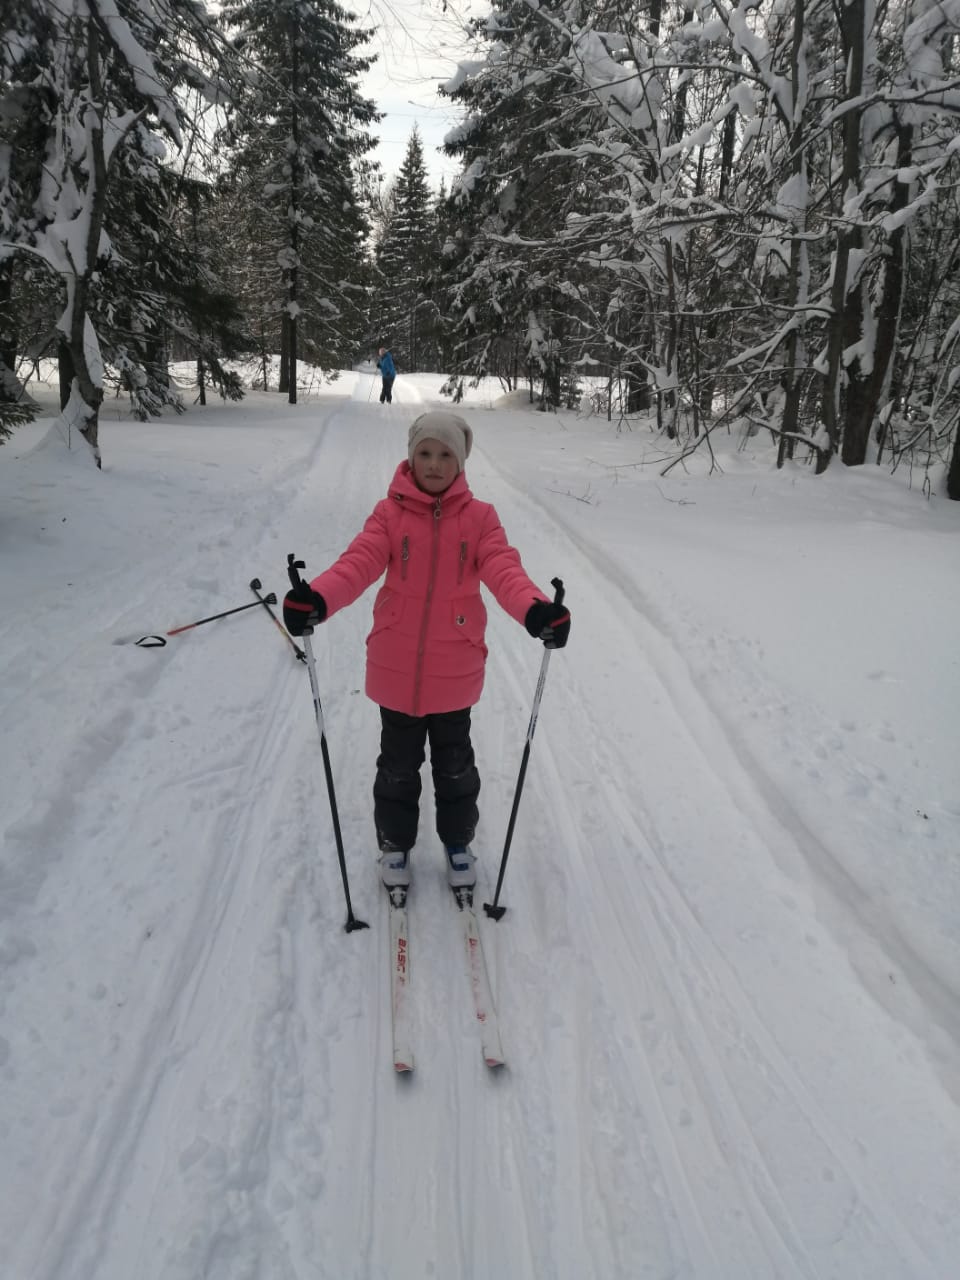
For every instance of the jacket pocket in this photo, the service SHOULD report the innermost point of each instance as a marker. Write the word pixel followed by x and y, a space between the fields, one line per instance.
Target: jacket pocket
pixel 468 616
pixel 387 610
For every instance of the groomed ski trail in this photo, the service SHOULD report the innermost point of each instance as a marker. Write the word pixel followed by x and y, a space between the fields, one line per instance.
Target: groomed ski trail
pixel 747 1164
pixel 663 1113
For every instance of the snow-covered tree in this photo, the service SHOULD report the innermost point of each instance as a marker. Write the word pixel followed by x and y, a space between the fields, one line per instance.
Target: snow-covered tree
pixel 407 253
pixel 298 132
pixel 514 278
pixel 740 198
pixel 98 74
pixel 21 153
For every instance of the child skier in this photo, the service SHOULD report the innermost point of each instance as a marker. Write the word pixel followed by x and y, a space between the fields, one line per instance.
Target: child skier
pixel 426 651
pixel 388 373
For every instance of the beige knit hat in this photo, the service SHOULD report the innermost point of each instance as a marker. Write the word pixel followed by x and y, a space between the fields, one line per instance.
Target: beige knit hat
pixel 448 428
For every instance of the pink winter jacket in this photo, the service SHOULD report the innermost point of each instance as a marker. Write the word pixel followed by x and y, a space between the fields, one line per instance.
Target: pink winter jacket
pixel 426 652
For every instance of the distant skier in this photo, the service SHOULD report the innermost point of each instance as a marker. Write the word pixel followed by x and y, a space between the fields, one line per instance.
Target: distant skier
pixel 388 371
pixel 426 652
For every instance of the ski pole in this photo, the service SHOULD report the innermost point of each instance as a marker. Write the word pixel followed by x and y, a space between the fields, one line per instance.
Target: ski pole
pixel 293 567
pixel 157 642
pixel 491 908
pixel 267 601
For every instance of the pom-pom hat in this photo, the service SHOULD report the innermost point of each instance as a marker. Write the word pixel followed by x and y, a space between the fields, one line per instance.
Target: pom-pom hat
pixel 448 428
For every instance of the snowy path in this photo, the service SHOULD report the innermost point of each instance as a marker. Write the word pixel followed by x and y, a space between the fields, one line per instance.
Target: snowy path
pixel 702 1081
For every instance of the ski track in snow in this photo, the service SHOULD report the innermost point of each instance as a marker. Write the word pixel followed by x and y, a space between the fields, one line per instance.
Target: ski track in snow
pixel 242 1121
pixel 866 927
pixel 102 1154
pixel 685 1071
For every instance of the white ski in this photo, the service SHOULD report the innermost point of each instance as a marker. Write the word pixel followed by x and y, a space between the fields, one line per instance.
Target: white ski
pixel 480 982
pixel 399 988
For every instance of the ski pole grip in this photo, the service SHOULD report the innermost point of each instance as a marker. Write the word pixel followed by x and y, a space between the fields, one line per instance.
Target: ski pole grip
pixel 293 569
pixel 558 591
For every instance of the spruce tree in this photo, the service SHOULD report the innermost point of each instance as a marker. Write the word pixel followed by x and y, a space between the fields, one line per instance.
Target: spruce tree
pixel 298 131
pixel 108 89
pixel 407 315
pixel 516 290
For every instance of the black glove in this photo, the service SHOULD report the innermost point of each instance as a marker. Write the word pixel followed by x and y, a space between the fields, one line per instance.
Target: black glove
pixel 549 622
pixel 302 608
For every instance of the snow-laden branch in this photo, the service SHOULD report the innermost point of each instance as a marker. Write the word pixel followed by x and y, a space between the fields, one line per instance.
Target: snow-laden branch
pixel 139 63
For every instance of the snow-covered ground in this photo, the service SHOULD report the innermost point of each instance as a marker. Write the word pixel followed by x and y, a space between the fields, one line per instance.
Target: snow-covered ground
pixel 729 973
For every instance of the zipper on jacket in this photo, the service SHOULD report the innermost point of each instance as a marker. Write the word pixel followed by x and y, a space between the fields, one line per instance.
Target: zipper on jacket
pixel 421 645
pixel 404 556
pixel 463 561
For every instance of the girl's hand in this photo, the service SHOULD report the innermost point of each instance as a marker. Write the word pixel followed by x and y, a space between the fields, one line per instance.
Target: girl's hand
pixel 548 622
pixel 303 609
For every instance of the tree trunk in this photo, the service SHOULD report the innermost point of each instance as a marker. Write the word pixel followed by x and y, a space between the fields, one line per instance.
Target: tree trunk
pixel 292 332
pixel 65 370
pixel 953 474
pixel 264 357
pixel 156 357
pixel 792 383
pixel 888 311
pixel 668 399
pixel 8 333
pixel 295 198
pixel 90 393
pixel 75 327
pixel 638 389
pixel 844 390
pixel 727 145
pixel 284 384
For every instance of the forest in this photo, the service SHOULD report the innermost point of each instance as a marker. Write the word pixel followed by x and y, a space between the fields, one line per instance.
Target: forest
pixel 689 219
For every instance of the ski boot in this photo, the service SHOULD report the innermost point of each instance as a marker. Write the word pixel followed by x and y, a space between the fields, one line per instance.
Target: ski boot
pixel 395 868
pixel 461 866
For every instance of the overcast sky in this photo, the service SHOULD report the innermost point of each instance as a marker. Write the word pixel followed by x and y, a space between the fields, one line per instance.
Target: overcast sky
pixel 418 47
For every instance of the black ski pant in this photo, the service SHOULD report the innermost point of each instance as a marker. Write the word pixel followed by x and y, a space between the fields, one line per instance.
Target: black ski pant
pixel 387 392
pixel 456 782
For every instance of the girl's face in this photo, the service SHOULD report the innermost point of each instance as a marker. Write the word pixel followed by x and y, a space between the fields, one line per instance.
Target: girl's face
pixel 435 466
